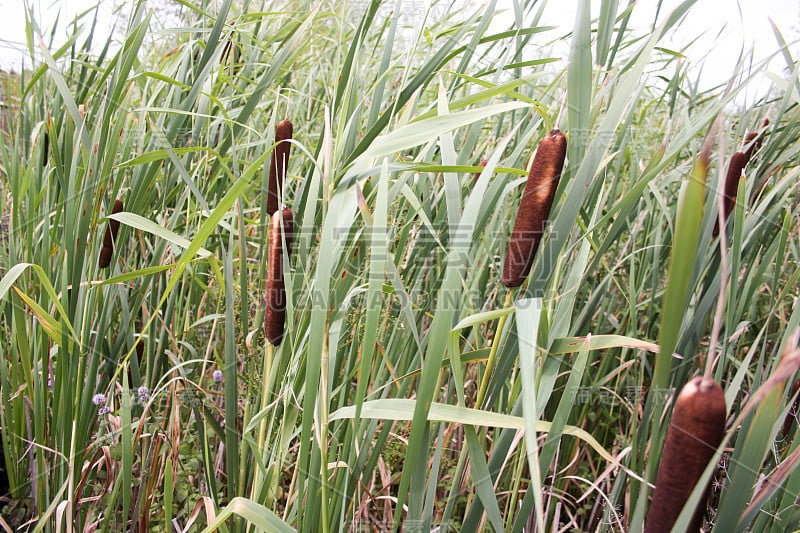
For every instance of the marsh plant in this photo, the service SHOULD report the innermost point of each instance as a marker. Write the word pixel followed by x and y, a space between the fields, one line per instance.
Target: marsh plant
pixel 145 182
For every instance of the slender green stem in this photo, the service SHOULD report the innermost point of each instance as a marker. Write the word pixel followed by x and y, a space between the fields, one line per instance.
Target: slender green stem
pixel 323 433
pixel 723 277
pixel 487 372
pixel 243 451
pixel 262 425
pixel 483 387
pixel 516 481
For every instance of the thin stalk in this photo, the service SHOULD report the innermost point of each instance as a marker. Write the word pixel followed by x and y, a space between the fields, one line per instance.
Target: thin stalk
pixel 487 372
pixel 292 485
pixel 243 451
pixel 482 390
pixel 71 481
pixel 262 425
pixel 723 274
pixel 323 434
pixel 513 495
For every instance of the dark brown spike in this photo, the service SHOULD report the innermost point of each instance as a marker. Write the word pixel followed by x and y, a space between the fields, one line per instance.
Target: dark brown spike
pixel 695 431
pixel 534 208
pixel 113 226
pixel 46 149
pixel 105 256
pixel 278 164
pixel 275 317
pixel 110 236
pixel 735 168
pixel 140 350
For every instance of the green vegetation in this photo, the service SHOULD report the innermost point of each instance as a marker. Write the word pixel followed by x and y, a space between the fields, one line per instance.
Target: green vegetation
pixel 410 383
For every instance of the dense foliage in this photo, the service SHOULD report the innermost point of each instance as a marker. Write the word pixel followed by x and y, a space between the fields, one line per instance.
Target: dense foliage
pixel 410 383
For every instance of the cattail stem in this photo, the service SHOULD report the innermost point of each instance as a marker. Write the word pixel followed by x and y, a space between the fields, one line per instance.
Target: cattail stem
pixel 487 372
pixel 323 430
pixel 262 425
pixel 514 494
pixel 484 384
pixel 723 279
pixel 243 451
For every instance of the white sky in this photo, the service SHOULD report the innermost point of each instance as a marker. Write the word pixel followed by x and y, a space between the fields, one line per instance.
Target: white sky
pixel 726 29
pixel 721 22
pixel 13 46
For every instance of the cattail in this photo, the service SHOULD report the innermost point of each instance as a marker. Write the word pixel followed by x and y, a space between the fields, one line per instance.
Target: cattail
pixel 749 145
pixel 46 149
pixel 140 350
pixel 275 317
pixel 111 236
pixel 694 433
pixel 534 208
pixel 105 256
pixel 278 164
pixel 752 142
pixel 735 168
pixel 113 226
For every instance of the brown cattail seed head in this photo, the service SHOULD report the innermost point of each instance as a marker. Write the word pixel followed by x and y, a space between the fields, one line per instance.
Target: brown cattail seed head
pixel 113 226
pixel 46 149
pixel 105 256
pixel 735 168
pixel 140 350
pixel 278 163
pixel 749 144
pixel 275 317
pixel 694 433
pixel 534 208
pixel 110 236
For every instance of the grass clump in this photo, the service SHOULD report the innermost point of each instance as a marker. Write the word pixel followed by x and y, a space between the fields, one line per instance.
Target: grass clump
pixel 407 388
